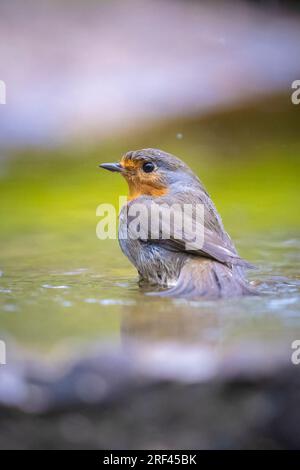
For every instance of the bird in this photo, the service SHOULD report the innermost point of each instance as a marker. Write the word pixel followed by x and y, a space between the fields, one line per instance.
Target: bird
pixel 209 269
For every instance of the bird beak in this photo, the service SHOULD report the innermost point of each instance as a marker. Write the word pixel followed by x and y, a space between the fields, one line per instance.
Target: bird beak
pixel 111 166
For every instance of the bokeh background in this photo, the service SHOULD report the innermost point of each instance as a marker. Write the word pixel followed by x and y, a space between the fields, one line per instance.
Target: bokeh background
pixel 89 80
pixel 92 361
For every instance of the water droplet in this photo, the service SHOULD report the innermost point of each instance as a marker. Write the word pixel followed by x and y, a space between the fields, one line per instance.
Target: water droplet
pixel 122 284
pixel 76 272
pixel 5 291
pixel 48 286
pixel 116 302
pixel 108 302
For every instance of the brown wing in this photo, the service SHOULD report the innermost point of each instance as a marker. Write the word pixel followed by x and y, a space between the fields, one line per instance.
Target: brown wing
pixel 202 235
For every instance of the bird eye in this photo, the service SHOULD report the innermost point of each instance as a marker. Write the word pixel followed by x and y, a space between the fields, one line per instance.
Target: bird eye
pixel 148 167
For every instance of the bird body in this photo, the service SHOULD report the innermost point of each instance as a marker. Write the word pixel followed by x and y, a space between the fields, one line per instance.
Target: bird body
pixel 210 269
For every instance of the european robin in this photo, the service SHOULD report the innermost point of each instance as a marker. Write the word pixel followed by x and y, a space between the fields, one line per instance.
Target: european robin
pixel 209 269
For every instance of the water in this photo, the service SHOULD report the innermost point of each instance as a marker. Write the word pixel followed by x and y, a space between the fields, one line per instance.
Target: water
pixel 51 299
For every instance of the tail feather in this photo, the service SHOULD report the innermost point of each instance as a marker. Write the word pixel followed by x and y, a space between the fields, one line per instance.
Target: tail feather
pixel 209 279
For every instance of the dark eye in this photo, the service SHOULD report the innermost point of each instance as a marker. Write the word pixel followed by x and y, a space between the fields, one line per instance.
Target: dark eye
pixel 148 167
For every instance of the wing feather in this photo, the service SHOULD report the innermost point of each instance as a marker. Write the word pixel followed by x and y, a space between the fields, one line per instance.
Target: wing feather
pixel 199 236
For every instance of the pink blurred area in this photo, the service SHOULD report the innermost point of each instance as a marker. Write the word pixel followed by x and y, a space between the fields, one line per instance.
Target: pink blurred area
pixel 91 68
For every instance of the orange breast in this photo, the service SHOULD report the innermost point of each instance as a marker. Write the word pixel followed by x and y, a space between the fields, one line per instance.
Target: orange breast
pixel 145 190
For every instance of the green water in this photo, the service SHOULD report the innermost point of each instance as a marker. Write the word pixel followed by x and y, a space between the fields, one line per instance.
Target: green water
pixel 59 284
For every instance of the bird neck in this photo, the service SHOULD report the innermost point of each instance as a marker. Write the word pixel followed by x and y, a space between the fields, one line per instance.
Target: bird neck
pixel 143 189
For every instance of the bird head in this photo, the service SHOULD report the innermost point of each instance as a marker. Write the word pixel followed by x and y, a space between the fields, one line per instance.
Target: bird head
pixel 152 172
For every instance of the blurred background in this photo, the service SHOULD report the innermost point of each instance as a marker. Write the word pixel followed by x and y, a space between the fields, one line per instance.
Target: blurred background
pixel 86 81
